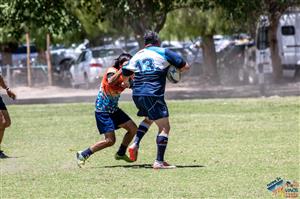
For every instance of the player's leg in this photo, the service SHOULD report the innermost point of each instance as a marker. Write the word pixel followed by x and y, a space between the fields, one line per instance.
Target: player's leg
pixel 131 128
pixel 4 123
pixel 143 104
pixel 160 114
pixel 162 142
pixel 122 120
pixel 109 140
pixel 141 131
pixel 106 127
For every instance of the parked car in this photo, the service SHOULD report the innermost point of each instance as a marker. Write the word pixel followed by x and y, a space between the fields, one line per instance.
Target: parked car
pixel 62 58
pixel 91 65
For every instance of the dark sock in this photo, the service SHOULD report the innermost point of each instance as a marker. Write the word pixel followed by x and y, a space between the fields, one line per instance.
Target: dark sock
pixel 143 128
pixel 161 142
pixel 87 153
pixel 122 150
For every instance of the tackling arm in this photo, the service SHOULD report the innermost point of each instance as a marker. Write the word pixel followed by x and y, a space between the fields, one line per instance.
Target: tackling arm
pixel 112 77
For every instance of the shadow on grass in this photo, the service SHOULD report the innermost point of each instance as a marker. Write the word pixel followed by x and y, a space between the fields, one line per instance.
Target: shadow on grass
pixel 148 166
pixel 10 157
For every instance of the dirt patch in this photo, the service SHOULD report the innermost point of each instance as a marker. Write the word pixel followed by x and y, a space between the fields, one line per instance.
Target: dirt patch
pixel 186 89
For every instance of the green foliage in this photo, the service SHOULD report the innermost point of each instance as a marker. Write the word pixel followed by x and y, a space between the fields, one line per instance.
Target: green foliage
pixel 88 14
pixel 38 16
pixel 188 23
pixel 144 15
pixel 69 20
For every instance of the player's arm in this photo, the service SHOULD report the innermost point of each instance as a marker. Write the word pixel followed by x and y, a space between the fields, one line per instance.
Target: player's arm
pixel 176 60
pixel 127 72
pixel 113 76
pixel 8 91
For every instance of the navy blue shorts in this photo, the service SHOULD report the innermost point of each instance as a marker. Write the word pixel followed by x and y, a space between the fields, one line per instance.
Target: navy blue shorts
pixel 2 105
pixel 108 122
pixel 152 107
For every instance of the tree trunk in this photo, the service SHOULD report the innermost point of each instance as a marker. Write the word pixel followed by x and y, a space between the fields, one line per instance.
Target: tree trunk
pixel 141 25
pixel 210 60
pixel 29 77
pixel 48 57
pixel 140 39
pixel 276 60
pixel 196 67
pixel 6 58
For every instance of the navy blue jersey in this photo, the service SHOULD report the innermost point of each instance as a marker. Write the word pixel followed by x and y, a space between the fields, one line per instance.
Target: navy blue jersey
pixel 150 66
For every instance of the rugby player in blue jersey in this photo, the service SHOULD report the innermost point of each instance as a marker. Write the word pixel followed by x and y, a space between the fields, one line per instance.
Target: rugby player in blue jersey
pixel 109 117
pixel 150 66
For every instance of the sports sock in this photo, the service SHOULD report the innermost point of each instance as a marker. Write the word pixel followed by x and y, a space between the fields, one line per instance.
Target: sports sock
pixel 87 153
pixel 143 128
pixel 122 150
pixel 161 141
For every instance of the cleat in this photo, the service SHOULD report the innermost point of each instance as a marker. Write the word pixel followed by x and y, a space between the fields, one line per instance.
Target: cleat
pixel 80 159
pixel 3 155
pixel 123 157
pixel 162 165
pixel 133 152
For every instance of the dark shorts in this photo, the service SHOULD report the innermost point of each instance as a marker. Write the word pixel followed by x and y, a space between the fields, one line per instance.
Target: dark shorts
pixel 2 105
pixel 152 107
pixel 108 122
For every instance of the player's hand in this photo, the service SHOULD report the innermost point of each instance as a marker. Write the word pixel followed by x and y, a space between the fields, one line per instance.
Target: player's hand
pixel 125 84
pixel 11 94
pixel 185 68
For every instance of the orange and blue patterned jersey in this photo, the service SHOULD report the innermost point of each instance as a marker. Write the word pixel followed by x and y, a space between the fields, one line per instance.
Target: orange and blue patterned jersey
pixel 109 94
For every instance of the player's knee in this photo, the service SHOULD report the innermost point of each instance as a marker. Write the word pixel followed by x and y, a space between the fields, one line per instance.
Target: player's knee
pixel 133 129
pixel 148 121
pixel 110 141
pixel 4 125
pixel 7 123
pixel 165 128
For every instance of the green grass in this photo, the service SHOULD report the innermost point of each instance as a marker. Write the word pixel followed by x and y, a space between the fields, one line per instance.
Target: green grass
pixel 225 149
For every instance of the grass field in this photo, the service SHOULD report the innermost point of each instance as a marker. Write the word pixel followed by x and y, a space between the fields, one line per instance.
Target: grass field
pixel 224 149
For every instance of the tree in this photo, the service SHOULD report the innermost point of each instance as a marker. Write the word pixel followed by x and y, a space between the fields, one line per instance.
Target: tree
pixel 142 15
pixel 19 16
pixel 89 14
pixel 192 23
pixel 274 10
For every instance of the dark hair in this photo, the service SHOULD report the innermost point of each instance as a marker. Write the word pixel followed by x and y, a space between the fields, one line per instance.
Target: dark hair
pixel 121 59
pixel 151 37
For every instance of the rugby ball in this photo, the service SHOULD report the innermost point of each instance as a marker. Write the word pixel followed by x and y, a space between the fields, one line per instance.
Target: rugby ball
pixel 173 74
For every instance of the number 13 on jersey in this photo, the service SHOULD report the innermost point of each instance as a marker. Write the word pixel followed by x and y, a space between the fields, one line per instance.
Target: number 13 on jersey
pixel 145 65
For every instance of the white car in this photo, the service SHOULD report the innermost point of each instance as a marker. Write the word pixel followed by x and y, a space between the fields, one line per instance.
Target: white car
pixel 91 65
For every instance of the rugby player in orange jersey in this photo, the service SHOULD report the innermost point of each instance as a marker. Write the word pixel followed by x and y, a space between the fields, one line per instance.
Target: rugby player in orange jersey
pixel 109 117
